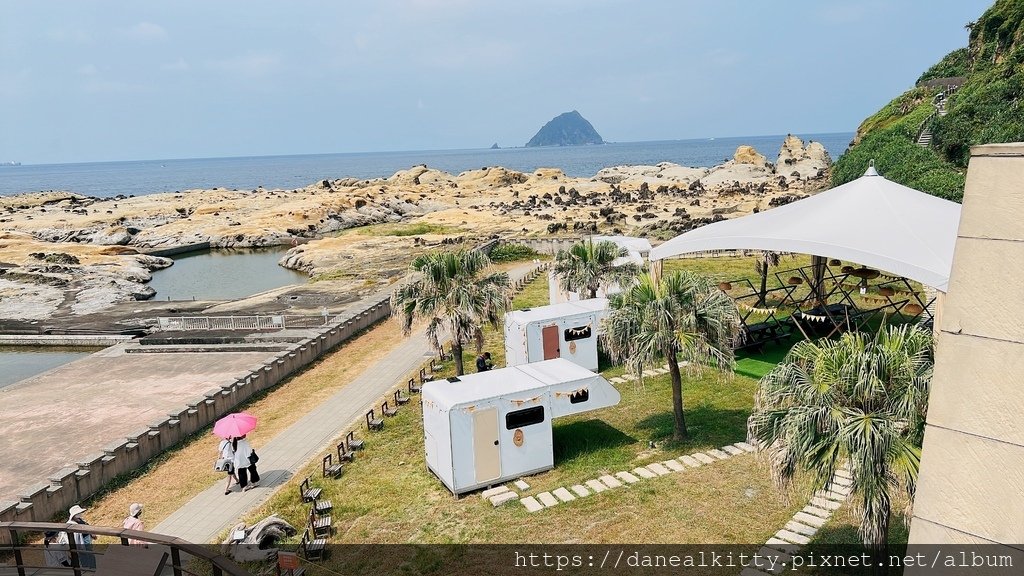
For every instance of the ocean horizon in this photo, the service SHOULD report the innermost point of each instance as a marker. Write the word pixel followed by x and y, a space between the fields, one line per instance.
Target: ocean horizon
pixel 139 177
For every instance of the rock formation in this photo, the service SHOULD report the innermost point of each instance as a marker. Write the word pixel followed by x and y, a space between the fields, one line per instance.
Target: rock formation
pixel 568 129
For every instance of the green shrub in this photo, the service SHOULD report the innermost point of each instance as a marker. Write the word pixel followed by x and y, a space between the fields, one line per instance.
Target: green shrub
pixel 956 63
pixel 512 253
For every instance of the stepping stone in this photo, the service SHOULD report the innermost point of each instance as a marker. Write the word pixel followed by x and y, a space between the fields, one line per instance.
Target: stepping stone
pixel 819 512
pixel 844 482
pixel 610 481
pixel 753 572
pixel 826 504
pixel 745 447
pixel 617 380
pixel 792 537
pixel 596 486
pixel 649 373
pixel 503 498
pixel 835 496
pixel 704 458
pixel 734 451
pixel 803 529
pixel 842 473
pixel 718 454
pixel 563 494
pixel 782 560
pixel 809 519
pixel 494 491
pixel 627 477
pixel 580 491
pixel 531 504
pixel 644 473
pixel 689 461
pixel 658 469
pixel 673 465
pixel 661 371
pixel 547 499
pixel 521 485
pixel 781 545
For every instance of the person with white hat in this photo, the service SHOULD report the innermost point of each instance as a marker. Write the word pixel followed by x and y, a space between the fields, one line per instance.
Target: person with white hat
pixel 83 542
pixel 134 522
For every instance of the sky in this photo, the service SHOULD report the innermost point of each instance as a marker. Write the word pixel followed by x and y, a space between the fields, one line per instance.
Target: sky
pixel 89 80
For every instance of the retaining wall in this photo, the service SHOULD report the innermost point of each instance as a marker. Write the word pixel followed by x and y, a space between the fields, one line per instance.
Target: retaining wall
pixel 51 498
pixel 99 340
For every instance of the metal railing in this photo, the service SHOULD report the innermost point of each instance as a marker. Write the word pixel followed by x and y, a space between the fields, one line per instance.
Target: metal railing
pixel 274 322
pixel 182 555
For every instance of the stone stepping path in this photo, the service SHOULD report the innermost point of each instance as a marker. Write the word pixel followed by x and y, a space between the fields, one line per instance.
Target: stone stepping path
pixel 654 470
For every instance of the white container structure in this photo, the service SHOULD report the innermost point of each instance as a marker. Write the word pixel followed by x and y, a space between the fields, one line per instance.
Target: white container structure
pixel 568 330
pixel 491 427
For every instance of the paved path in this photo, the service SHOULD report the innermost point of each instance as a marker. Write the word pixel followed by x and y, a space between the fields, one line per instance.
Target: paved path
pixel 208 514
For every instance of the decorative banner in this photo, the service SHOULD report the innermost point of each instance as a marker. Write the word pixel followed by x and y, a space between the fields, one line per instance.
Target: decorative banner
pixel 521 402
pixel 813 318
pixel 756 310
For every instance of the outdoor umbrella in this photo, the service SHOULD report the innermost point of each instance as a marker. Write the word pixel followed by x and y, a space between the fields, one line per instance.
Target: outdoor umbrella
pixel 234 425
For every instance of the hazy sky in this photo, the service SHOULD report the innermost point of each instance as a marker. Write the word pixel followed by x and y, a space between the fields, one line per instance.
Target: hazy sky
pixel 88 80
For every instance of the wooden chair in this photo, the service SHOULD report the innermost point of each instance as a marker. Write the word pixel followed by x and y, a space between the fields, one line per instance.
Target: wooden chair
pixel 400 399
pixel 353 443
pixel 330 467
pixel 308 493
pixel 344 454
pixel 387 410
pixel 312 548
pixel 320 525
pixel 372 422
pixel 413 388
pixel 322 506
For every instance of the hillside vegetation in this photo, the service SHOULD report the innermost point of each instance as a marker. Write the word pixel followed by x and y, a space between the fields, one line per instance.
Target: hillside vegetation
pixel 986 108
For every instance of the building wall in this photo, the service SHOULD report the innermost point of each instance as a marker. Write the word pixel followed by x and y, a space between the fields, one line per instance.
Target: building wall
pixel 971 485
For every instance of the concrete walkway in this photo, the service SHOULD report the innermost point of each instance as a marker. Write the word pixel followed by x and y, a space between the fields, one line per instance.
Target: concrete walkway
pixel 211 512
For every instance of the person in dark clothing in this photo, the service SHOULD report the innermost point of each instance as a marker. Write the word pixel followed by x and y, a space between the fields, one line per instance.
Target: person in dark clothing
pixel 483 362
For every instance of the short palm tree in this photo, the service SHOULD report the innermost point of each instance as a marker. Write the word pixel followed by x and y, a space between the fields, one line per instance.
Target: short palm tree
pixel 450 294
pixel 588 266
pixel 860 400
pixel 681 316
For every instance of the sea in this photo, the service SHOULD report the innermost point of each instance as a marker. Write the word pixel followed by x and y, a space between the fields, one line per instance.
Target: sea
pixel 138 177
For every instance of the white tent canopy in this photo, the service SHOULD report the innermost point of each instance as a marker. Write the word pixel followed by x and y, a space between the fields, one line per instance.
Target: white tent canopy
pixel 871 221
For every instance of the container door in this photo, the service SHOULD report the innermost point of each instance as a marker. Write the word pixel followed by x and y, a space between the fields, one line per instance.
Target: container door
pixel 486 451
pixel 549 336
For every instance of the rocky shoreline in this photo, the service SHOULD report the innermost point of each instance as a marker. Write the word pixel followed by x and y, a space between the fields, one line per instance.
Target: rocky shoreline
pixel 72 255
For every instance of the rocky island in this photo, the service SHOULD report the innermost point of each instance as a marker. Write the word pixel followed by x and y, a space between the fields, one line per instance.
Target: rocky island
pixel 568 129
pixel 66 255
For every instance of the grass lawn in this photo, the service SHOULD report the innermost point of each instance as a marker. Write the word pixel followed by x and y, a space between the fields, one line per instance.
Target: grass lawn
pixel 389 496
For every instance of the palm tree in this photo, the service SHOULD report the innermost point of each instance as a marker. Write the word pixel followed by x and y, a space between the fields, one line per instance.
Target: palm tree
pixel 762 265
pixel 451 296
pixel 681 316
pixel 588 266
pixel 859 400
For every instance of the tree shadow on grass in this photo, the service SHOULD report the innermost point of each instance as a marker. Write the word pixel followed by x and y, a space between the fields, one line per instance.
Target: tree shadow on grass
pixel 583 437
pixel 706 425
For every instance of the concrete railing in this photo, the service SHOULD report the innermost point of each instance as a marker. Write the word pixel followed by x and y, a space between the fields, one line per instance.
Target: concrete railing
pixel 273 322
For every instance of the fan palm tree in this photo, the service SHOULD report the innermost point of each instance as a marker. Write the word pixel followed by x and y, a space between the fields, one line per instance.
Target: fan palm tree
pixel 681 316
pixel 860 400
pixel 762 265
pixel 588 266
pixel 451 296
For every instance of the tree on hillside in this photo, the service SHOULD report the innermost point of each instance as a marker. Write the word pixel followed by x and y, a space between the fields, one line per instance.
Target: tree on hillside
pixel 588 266
pixel 450 294
pixel 683 316
pixel 860 400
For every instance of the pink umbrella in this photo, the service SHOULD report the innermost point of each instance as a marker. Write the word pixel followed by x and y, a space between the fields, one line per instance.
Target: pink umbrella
pixel 234 425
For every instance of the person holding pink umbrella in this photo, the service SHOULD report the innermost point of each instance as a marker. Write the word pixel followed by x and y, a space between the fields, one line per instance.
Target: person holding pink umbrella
pixel 233 428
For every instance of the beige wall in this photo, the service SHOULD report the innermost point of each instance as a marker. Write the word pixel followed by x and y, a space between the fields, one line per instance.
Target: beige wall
pixel 971 487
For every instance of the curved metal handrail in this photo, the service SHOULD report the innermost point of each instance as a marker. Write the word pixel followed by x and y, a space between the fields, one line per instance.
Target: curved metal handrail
pixel 220 565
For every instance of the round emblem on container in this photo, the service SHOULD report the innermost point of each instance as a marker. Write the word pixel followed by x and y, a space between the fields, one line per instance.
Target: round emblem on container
pixel 572 347
pixel 517 437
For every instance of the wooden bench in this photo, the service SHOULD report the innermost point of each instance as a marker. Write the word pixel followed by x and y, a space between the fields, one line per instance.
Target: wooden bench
pixel 400 399
pixel 330 467
pixel 387 410
pixel 353 443
pixel 319 524
pixel 413 388
pixel 308 493
pixel 312 548
pixel 372 422
pixel 344 454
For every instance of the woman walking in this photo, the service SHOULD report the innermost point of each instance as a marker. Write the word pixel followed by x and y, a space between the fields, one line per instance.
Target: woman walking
pixel 83 542
pixel 226 452
pixel 245 463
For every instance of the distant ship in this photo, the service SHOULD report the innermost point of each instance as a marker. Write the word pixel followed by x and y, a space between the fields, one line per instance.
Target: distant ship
pixel 10 163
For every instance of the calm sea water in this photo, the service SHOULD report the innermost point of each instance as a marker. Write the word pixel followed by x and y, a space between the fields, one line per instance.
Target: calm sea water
pixel 20 362
pixel 106 179
pixel 224 274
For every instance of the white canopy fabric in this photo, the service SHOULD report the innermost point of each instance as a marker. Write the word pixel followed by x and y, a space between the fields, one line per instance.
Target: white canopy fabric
pixel 870 221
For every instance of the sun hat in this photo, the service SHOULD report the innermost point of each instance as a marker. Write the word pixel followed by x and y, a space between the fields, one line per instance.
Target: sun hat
pixel 135 509
pixel 75 510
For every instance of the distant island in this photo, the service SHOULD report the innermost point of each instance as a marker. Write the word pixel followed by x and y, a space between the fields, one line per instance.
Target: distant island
pixel 568 129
